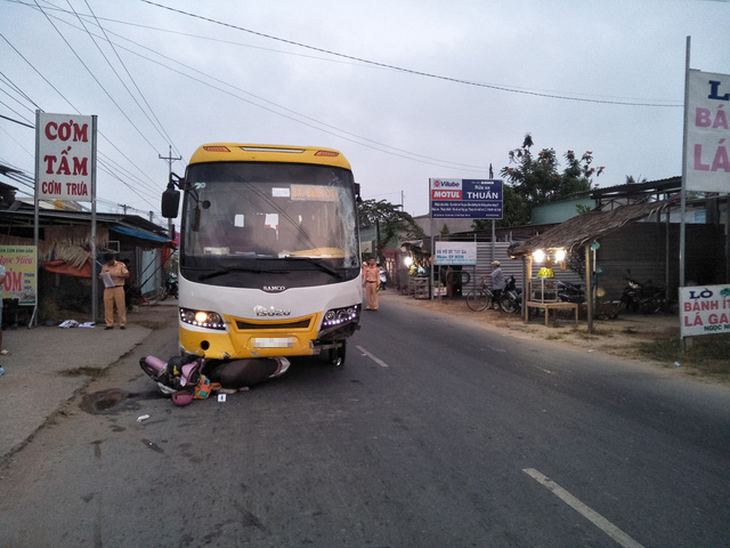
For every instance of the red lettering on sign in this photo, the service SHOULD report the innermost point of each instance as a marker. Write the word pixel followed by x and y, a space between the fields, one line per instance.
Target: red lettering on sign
pixel 446 194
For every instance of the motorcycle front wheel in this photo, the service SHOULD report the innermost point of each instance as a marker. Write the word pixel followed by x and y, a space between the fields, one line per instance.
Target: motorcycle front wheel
pixel 508 305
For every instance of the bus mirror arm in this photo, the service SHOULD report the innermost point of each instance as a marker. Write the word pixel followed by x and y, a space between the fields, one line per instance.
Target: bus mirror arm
pixel 171 197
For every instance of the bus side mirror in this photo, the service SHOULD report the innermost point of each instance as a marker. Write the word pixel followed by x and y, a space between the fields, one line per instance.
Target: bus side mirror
pixel 170 202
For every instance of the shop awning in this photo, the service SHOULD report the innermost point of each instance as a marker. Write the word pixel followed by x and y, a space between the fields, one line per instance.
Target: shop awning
pixel 143 235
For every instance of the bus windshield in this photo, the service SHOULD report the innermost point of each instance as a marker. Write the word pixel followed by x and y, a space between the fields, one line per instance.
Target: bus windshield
pixel 277 216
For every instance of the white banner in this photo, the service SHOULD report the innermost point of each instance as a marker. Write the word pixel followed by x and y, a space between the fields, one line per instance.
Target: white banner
pixel 456 253
pixel 707 154
pixel 705 310
pixel 65 154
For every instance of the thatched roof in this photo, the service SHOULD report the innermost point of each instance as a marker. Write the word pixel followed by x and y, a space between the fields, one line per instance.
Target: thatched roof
pixel 576 232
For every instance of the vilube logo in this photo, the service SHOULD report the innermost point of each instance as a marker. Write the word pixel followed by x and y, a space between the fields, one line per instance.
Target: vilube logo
pixel 439 183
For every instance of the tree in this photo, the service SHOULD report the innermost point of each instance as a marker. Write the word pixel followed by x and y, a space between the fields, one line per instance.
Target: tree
pixel 537 179
pixel 390 222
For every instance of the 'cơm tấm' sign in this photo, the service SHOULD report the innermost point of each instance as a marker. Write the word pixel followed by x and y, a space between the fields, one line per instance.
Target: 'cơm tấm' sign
pixel 65 156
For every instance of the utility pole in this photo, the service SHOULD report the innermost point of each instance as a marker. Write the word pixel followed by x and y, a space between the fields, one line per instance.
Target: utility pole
pixel 170 158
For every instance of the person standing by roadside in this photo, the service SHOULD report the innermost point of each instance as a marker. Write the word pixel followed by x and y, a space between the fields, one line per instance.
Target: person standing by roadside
pixel 372 282
pixel 498 282
pixel 3 351
pixel 113 274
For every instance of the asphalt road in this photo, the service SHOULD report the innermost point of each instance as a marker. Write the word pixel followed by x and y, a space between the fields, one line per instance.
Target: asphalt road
pixel 435 433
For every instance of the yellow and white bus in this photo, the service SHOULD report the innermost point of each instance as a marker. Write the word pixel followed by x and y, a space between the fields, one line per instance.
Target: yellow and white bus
pixel 269 252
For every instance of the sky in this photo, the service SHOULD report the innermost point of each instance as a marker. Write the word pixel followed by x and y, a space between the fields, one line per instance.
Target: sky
pixel 407 90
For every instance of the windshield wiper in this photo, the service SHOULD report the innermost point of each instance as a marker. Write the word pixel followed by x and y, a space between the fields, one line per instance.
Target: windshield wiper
pixel 228 270
pixel 318 263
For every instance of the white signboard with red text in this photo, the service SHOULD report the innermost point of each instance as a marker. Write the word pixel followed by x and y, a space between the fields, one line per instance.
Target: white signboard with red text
pixel 707 153
pixel 705 310
pixel 65 157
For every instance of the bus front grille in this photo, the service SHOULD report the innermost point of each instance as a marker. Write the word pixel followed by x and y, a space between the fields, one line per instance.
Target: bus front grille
pixel 286 326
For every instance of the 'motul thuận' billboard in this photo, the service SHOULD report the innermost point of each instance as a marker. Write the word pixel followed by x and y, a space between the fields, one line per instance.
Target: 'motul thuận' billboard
pixel 466 198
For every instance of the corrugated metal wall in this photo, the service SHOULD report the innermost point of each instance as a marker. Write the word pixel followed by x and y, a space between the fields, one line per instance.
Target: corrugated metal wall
pixel 642 249
pixel 486 253
pixel 639 248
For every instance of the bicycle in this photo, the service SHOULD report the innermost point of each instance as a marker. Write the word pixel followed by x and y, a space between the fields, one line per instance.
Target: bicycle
pixel 480 298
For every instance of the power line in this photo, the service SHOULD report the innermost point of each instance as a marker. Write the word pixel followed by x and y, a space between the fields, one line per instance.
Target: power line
pixel 156 123
pixel 407 70
pixel 16 121
pixel 106 92
pixel 338 132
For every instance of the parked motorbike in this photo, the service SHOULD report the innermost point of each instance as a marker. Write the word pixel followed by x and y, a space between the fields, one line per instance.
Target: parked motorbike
pixel 570 293
pixel 170 287
pixel 511 299
pixel 642 298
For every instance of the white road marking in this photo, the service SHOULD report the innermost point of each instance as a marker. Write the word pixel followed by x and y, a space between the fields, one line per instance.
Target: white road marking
pixel 594 517
pixel 380 362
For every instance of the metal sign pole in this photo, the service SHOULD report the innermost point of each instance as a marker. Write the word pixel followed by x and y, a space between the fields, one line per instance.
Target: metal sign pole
pixel 36 218
pixel 94 278
pixel 683 192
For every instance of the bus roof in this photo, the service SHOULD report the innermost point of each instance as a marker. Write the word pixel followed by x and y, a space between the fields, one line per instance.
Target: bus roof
pixel 237 152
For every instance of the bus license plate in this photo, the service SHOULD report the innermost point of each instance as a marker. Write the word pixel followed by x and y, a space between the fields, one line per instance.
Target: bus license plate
pixel 273 342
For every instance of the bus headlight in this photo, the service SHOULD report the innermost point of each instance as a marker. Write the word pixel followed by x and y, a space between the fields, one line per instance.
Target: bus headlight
pixel 202 318
pixel 340 316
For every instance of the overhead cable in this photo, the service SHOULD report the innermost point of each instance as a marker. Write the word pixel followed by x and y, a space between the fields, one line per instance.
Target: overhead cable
pixel 407 70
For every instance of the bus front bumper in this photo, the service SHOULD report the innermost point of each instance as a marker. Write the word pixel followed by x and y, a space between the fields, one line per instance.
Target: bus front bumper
pixel 244 340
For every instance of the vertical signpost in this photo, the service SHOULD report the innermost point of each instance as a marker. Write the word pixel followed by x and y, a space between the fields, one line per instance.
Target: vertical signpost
pixel 66 171
pixel 705 168
pixel 464 199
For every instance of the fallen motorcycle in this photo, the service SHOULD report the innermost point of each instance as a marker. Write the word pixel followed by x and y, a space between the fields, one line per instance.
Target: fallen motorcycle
pixel 190 377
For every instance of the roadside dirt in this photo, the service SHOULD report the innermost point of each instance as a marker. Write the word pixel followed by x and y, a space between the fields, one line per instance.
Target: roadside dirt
pixel 619 337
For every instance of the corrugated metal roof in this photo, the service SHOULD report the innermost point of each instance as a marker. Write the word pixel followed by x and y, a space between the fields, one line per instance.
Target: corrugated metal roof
pixel 584 228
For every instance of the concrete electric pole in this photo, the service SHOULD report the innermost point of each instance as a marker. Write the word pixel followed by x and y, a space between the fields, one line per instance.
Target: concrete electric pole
pixel 170 158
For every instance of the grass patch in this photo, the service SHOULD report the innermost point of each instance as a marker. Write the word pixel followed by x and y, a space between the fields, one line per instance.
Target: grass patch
pixel 93 372
pixel 709 355
pixel 581 333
